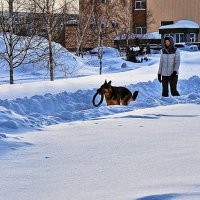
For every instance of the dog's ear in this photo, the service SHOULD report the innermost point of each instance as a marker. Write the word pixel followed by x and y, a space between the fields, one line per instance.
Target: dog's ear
pixel 105 82
pixel 109 83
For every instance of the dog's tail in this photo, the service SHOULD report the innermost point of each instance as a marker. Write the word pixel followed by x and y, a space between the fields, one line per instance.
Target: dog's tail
pixel 135 94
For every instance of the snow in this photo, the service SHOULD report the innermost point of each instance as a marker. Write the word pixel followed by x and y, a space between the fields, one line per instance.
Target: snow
pixel 150 35
pixel 55 145
pixel 181 24
pixel 66 64
pixel 150 153
pixel 48 109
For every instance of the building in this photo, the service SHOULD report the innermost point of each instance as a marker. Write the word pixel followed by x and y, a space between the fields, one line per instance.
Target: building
pixel 29 24
pixel 98 19
pixel 181 31
pixel 105 21
pixel 168 18
pixel 178 18
pixel 112 19
pixel 139 17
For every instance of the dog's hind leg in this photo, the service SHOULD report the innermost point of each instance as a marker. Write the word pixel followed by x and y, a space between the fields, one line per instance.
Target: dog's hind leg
pixel 126 100
pixel 124 103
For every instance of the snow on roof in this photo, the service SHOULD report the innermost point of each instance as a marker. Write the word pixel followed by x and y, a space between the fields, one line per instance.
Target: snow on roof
pixel 181 24
pixel 153 35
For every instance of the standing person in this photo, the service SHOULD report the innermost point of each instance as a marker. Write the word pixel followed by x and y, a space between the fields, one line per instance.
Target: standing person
pixel 169 67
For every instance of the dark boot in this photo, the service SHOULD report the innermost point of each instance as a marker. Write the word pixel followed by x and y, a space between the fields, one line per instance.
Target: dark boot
pixel 173 86
pixel 165 88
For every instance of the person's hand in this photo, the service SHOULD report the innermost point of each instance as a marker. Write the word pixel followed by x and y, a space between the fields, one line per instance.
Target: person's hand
pixel 173 75
pixel 159 78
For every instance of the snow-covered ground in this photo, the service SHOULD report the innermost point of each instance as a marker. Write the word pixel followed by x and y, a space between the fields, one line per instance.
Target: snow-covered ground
pixel 35 66
pixel 148 154
pixel 35 104
pixel 55 145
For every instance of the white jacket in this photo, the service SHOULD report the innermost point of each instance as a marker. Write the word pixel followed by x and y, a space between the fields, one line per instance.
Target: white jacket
pixel 169 62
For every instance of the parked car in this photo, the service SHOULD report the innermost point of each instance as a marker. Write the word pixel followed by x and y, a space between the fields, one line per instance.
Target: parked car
pixel 194 43
pixel 186 47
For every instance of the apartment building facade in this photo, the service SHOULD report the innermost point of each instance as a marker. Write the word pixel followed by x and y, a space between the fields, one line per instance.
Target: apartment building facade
pixel 139 16
pixel 171 11
pixel 166 14
pixel 112 18
pixel 124 16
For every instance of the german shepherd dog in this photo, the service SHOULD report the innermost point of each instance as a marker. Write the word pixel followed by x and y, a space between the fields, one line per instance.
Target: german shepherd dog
pixel 117 95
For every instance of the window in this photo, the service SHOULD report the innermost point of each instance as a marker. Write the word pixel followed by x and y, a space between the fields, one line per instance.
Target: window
pixel 140 30
pixel 179 37
pixel 103 1
pixel 163 23
pixel 114 24
pixel 192 37
pixel 16 29
pixel 140 4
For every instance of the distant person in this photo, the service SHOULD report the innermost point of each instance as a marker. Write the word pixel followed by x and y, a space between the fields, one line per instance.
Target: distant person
pixel 169 67
pixel 148 50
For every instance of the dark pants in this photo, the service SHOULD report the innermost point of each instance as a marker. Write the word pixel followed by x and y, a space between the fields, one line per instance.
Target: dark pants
pixel 166 80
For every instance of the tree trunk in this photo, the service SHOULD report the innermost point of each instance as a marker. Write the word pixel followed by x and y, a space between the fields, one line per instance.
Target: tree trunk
pixel 10 57
pixel 100 52
pixel 11 75
pixel 10 46
pixel 51 60
pixel 49 32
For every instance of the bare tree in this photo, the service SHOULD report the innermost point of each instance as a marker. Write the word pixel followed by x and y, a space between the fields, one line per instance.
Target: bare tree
pixel 125 18
pixel 54 15
pixel 16 47
pixel 103 22
pixel 47 18
pixel 47 7
pixel 82 27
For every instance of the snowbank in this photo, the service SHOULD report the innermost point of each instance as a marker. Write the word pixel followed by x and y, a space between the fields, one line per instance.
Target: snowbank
pixel 181 24
pixel 35 66
pixel 112 62
pixel 42 110
pixel 107 51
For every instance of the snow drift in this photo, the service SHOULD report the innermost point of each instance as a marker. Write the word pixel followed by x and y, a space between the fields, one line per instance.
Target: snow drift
pixel 43 110
pixel 35 65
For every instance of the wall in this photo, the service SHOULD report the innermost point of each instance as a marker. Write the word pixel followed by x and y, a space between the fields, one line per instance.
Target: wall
pixel 172 10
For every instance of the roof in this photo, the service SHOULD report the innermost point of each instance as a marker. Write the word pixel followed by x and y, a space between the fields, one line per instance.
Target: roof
pixel 187 24
pixel 153 35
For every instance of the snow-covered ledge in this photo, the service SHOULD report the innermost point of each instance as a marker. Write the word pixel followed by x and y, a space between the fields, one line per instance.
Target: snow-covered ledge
pixel 181 24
